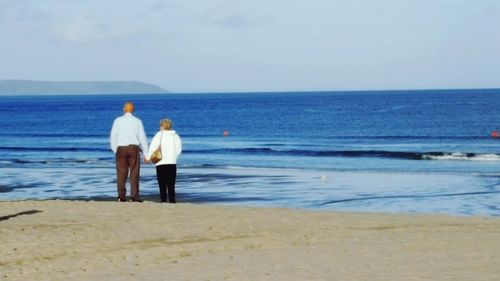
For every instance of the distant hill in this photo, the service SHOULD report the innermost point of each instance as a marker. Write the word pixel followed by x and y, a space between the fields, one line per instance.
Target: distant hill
pixel 30 87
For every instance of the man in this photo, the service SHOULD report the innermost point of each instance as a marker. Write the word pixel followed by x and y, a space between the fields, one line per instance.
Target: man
pixel 127 138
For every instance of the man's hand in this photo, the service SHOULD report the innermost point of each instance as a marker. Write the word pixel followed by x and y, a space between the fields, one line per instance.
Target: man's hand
pixel 146 160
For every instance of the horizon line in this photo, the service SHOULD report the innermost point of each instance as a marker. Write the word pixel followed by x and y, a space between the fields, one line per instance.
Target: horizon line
pixel 331 91
pixel 168 92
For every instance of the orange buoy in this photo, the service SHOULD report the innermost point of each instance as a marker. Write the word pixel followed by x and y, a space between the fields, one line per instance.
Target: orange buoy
pixel 226 133
pixel 494 134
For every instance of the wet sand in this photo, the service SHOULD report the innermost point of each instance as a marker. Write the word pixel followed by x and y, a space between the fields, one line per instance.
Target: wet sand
pixel 77 240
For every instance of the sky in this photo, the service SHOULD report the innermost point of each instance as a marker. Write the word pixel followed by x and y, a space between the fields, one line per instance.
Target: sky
pixel 255 45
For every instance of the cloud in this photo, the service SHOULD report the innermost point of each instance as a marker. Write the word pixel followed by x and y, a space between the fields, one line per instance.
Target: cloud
pixel 81 30
pixel 5 4
pixel 21 11
pixel 158 6
pixel 87 30
pixel 233 22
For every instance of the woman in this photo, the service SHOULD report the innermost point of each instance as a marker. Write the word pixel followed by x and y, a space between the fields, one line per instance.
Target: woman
pixel 166 168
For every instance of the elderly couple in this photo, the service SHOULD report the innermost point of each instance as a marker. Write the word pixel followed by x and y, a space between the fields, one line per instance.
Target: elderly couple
pixel 128 138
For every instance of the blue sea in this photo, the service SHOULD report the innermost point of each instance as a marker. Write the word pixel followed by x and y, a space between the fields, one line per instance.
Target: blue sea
pixel 378 151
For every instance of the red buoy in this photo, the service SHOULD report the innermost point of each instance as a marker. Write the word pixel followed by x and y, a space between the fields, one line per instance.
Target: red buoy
pixel 226 133
pixel 494 134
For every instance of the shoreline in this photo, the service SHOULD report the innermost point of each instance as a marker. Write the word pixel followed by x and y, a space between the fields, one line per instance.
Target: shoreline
pixel 352 191
pixel 154 199
pixel 90 240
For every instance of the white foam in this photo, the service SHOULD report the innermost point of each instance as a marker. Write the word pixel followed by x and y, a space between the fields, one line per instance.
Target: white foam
pixel 464 157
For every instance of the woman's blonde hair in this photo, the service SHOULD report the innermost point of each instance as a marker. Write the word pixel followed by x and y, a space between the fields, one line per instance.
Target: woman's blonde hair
pixel 166 124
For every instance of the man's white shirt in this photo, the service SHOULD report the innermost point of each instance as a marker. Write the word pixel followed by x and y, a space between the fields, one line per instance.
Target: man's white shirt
pixel 128 130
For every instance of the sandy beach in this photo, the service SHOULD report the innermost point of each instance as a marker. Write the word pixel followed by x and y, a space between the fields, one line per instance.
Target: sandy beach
pixel 76 240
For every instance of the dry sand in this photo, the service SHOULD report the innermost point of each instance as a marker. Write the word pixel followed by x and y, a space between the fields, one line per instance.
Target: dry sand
pixel 64 240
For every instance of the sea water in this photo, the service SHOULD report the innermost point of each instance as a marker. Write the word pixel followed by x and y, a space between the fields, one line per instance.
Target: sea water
pixel 394 151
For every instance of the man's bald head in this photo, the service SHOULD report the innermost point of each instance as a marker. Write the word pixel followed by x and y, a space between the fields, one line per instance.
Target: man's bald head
pixel 128 107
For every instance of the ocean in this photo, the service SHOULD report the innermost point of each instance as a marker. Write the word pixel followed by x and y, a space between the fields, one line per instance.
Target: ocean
pixel 426 151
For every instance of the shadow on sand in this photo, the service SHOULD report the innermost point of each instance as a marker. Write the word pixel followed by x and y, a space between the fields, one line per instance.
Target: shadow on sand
pixel 30 212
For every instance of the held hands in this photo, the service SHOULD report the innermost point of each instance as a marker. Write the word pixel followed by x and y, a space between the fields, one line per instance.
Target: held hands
pixel 146 160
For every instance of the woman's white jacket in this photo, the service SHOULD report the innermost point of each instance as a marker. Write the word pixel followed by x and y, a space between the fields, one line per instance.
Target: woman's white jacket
pixel 171 146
